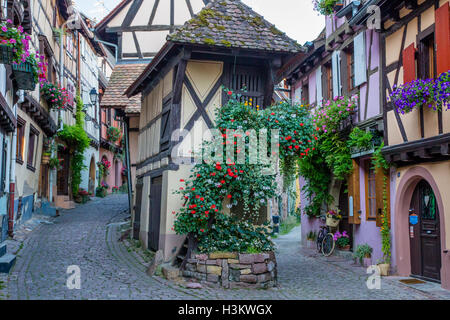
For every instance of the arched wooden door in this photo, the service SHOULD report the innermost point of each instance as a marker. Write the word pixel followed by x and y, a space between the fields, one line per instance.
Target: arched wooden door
pixel 91 183
pixel 425 238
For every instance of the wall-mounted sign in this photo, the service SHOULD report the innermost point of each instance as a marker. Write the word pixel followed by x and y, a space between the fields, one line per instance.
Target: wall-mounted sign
pixel 413 219
pixel 411 232
pixel 350 206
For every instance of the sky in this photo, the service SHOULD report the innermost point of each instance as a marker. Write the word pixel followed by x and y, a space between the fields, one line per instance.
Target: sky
pixel 294 17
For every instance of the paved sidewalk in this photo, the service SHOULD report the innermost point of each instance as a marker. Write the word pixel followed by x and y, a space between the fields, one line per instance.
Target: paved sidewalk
pixel 87 236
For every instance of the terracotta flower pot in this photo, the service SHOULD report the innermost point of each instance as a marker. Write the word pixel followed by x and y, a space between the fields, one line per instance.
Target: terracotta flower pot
pixel 384 269
pixel 345 248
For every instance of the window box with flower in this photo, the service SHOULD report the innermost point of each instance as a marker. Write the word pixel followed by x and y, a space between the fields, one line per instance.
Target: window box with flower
pixel 55 96
pixel 431 93
pixel 113 134
pixel 14 43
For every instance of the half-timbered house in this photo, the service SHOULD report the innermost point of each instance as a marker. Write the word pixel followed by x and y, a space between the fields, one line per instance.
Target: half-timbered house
pixel 345 61
pixel 134 31
pixel 415 44
pixel 226 44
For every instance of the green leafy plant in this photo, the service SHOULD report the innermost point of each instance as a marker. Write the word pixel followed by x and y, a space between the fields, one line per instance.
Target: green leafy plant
pixel 380 162
pixel 113 134
pixel 363 251
pixel 246 183
pixel 359 139
pixel 326 7
pixel 78 141
pixel 311 236
pixel 330 155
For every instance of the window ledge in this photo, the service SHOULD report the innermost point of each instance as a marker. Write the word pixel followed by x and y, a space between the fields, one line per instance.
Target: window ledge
pixel 19 161
pixel 31 168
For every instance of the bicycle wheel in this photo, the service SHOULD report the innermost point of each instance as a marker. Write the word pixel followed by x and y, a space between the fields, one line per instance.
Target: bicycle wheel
pixel 328 245
pixel 320 237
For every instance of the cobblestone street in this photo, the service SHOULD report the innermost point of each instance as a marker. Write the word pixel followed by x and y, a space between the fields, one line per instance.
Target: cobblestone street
pixel 87 236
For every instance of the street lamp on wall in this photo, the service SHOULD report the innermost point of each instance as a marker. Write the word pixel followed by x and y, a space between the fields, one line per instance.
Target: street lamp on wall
pixel 93 96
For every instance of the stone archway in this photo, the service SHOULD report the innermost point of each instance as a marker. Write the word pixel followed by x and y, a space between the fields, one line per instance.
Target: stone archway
pixel 403 197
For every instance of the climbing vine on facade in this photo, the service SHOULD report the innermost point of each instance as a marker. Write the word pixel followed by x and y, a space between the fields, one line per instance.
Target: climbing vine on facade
pixel 214 184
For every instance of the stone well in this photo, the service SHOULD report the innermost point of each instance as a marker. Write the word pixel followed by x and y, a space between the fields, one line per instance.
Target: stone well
pixel 233 270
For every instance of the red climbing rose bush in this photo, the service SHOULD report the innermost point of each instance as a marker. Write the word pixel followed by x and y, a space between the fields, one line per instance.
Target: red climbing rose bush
pixel 227 182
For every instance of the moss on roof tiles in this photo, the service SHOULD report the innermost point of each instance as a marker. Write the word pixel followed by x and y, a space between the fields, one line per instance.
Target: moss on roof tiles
pixel 231 23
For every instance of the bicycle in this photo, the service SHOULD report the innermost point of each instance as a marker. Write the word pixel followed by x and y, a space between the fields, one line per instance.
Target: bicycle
pixel 325 241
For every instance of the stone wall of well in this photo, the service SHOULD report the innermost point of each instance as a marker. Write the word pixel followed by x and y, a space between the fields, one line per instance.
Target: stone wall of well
pixel 233 270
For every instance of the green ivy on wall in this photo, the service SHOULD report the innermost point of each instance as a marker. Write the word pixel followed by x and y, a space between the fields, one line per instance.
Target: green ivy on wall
pixel 78 141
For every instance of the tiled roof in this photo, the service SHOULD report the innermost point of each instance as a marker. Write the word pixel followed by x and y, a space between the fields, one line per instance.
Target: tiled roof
pixel 231 23
pixel 121 78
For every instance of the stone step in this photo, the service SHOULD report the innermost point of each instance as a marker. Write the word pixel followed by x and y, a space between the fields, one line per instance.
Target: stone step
pixel 6 262
pixel 2 249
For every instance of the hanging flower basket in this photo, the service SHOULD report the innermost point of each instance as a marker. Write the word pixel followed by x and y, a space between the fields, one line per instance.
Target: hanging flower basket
pixel 23 74
pixel 6 54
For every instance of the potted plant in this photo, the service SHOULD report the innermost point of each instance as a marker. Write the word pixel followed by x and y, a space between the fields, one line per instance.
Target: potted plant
pixel 14 43
pixel 333 218
pixel 115 189
pixel 311 238
pixel 102 190
pixel 363 253
pixel 55 96
pixel 342 240
pixel 55 163
pixel 82 196
pixel 113 134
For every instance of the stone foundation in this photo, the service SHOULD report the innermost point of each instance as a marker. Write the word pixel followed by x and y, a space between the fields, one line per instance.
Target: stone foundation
pixel 233 270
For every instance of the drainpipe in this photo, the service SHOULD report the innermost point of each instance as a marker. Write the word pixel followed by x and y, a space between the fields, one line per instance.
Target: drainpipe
pixel 127 156
pixel 12 178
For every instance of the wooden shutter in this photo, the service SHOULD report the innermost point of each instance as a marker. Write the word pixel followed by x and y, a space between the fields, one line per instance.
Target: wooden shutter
pixel 409 64
pixel 380 174
pixel 443 38
pixel 319 95
pixel 165 131
pixel 360 58
pixel 354 200
pixel 336 65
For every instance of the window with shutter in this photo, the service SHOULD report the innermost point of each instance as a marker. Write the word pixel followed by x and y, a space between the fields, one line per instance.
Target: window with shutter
pixel 349 72
pixel 20 140
pixel 305 93
pixel 354 195
pixel 165 127
pixel 443 38
pixel 409 63
pixel 32 140
pixel 250 83
pixel 371 194
pixel 328 81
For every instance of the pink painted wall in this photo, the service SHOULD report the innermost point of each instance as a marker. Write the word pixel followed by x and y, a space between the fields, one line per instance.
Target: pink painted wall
pixel 112 177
